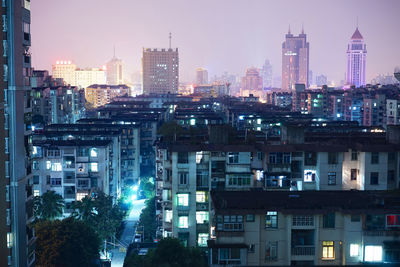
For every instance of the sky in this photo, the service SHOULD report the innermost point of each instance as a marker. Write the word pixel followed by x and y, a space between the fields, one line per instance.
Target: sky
pixel 220 35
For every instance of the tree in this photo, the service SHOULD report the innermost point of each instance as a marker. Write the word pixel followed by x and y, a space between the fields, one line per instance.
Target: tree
pixel 171 131
pixel 169 253
pixel 148 220
pixel 48 206
pixel 101 214
pixel 65 243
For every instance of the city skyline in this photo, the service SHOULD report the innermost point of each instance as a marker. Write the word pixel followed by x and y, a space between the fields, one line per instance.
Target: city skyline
pixel 255 31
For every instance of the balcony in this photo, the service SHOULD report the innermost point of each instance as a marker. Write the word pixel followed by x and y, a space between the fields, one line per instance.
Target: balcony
pixel 303 251
pixel 69 195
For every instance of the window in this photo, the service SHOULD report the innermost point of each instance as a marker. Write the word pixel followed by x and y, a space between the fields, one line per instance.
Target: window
pixel 391 175
pixel 332 157
pixel 231 255
pixel 252 248
pixel 56 167
pixel 80 196
pixel 233 157
pixel 202 239
pixel 309 176
pixel 331 178
pixel 183 199
pixel 53 153
pixel 374 178
pixel 354 155
pixel 8 219
pixel 250 218
pixel 373 253
pixel 55 181
pixel 279 158
pixel 238 180
pixel 94 167
pixel 36 193
pixel 201 197
pixel 9 240
pixel 230 223
pixel 271 250
pixel 48 165
pixel 183 157
pixel 260 155
pixel 168 175
pixel 303 220
pixel 271 219
pixel 374 157
pixel 354 250
pixel 353 174
pixel 329 220
pixel 393 220
pixel 7 193
pixel 93 152
pixel 355 218
pixel 168 216
pixel 201 217
pixel 328 250
pixel 183 222
pixel 202 178
pixel 183 178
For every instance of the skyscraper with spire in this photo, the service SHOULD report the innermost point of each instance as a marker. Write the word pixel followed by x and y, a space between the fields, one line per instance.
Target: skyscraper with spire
pixel 356 60
pixel 115 71
pixel 295 60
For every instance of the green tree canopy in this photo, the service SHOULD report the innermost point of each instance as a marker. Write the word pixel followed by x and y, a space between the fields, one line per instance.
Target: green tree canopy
pixel 169 253
pixel 48 206
pixel 147 219
pixel 65 243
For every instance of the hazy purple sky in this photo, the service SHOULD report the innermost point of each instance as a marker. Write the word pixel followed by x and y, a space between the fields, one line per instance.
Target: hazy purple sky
pixel 220 35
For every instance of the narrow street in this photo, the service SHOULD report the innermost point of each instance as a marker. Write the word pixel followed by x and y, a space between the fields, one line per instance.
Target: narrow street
pixel 128 233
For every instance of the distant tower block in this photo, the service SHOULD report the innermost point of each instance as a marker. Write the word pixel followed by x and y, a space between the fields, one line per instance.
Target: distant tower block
pixel 397 73
pixel 356 60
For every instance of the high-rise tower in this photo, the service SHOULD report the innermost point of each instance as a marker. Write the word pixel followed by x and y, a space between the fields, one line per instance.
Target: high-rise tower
pixel 201 76
pixel 295 60
pixel 115 71
pixel 356 60
pixel 267 74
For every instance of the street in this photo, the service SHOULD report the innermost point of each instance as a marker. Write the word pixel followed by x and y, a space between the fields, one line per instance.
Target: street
pixel 128 233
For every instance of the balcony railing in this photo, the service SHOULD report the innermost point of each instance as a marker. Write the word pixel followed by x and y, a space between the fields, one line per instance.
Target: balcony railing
pixel 303 251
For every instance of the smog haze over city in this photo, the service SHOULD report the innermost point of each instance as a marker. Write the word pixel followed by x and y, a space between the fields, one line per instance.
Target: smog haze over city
pixel 223 35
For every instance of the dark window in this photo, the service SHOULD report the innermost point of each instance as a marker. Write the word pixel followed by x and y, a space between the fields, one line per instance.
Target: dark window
pixel 374 179
pixel 183 157
pixel 354 155
pixel 250 218
pixel 332 157
pixel 331 178
pixel 329 220
pixel 353 175
pixel 310 158
pixel 355 217
pixel 391 175
pixel 375 158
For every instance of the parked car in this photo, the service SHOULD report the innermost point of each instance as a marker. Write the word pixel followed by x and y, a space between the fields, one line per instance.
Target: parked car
pixel 143 251
pixel 138 238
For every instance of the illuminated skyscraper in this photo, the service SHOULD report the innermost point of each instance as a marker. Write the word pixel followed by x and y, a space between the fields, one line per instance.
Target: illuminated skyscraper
pixel 201 76
pixel 65 70
pixel 115 72
pixel 356 60
pixel 295 61
pixel 160 71
pixel 83 78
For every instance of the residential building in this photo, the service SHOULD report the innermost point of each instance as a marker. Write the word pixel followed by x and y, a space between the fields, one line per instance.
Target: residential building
pixel 356 60
pixel 259 228
pixel 17 246
pixel 217 89
pixel 115 71
pixel 160 71
pixel 64 69
pixel 392 112
pixel 295 61
pixel 201 76
pixel 101 94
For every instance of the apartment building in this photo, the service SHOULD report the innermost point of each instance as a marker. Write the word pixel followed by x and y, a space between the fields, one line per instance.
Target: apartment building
pixel 101 94
pixel 74 169
pixel 280 228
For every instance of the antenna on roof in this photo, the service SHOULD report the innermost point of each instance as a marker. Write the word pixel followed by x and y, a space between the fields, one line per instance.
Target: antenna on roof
pixel 170 37
pixel 114 51
pixel 289 29
pixel 357 22
pixel 302 28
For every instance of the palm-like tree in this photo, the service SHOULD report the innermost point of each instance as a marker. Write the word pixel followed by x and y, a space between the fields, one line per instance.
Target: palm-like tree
pixel 49 206
pixel 84 209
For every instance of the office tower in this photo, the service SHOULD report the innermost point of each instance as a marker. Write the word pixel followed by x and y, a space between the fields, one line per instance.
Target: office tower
pixel 115 71
pixel 17 240
pixel 321 80
pixel 64 69
pixel 201 76
pixel 356 60
pixel 160 71
pixel 267 74
pixel 295 61
pixel 252 83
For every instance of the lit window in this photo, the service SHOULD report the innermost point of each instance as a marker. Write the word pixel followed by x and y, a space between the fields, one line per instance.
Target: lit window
pixel 201 197
pixel 94 167
pixel 373 253
pixel 183 199
pixel 183 222
pixel 93 152
pixel 202 239
pixel 9 240
pixel 393 220
pixel 309 176
pixel 56 167
pixel 48 165
pixel 271 249
pixel 271 219
pixel 168 216
pixel 80 196
pixel 328 250
pixel 354 250
pixel 201 217
pixel 36 193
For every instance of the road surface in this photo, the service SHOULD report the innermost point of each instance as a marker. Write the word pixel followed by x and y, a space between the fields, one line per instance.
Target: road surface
pixel 128 233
